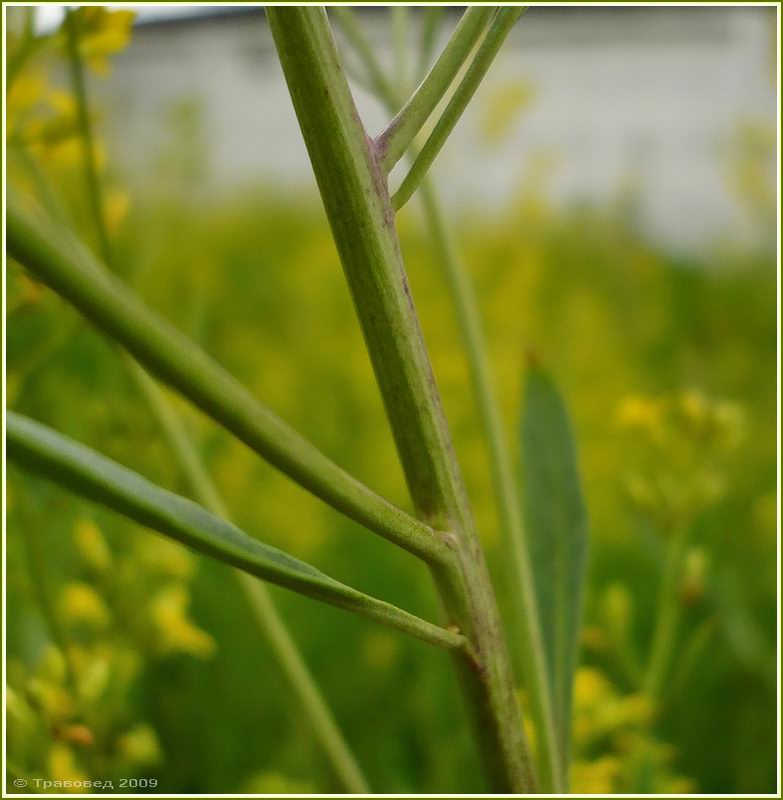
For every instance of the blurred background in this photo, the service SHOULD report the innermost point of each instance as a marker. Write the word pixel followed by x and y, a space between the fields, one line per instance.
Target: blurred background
pixel 612 189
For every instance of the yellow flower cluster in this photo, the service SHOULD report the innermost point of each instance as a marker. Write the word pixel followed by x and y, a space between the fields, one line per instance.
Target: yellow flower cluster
pixel 681 444
pixel 75 705
pixel 613 739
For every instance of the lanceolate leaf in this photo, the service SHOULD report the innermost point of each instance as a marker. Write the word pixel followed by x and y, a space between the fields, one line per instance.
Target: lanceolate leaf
pixel 556 524
pixel 89 474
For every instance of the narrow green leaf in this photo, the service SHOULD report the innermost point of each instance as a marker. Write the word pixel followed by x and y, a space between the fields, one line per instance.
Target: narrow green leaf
pixel 89 474
pixel 556 520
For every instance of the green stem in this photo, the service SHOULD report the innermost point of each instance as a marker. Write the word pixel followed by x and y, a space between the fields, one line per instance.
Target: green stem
pixel 501 26
pixel 41 582
pixel 90 161
pixel 552 766
pixel 88 474
pixel 402 130
pixel 552 771
pixel 669 613
pixel 258 597
pixel 357 205
pixel 350 26
pixel 431 19
pixel 55 257
pixel 399 16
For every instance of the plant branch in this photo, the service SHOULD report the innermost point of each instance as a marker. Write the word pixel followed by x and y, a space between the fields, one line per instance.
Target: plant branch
pixel 669 612
pixel 350 26
pixel 256 594
pixel 40 450
pixel 526 612
pixel 353 190
pixel 60 261
pixel 402 130
pixel 90 161
pixel 432 18
pixel 501 26
pixel 259 600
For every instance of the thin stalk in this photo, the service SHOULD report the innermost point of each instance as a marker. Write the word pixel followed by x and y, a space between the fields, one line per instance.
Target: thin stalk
pixel 402 130
pixel 552 766
pixel 257 596
pixel 400 20
pixel 59 260
pixel 350 26
pixel 669 613
pixel 41 582
pixel 27 48
pixel 89 156
pixel 42 451
pixel 431 20
pixel 501 26
pixel 358 207
pixel 259 599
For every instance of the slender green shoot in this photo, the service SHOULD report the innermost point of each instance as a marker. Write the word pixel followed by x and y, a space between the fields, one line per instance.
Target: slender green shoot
pixel 501 26
pixel 260 602
pixel 351 27
pixel 54 256
pixel 89 156
pixel 669 613
pixel 41 581
pixel 400 31
pixel 258 597
pixel 44 452
pixel 358 208
pixel 432 17
pixel 29 45
pixel 398 137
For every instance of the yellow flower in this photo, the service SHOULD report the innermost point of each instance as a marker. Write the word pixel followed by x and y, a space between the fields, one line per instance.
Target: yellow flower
pixel 26 92
pixel 91 544
pixel 116 205
pixel 63 767
pixel 639 412
pixel 177 633
pixel 694 574
pixel 140 745
pixel 82 604
pixel 102 33
pixel 162 557
pixel 595 777
pixel 503 108
pixel 694 406
pixel 590 687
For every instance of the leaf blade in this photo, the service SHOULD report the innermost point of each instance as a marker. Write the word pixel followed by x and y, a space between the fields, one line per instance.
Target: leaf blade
pixel 93 476
pixel 556 523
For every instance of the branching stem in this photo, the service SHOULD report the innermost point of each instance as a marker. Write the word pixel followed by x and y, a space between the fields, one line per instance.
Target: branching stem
pixel 551 768
pixel 54 256
pixel 501 26
pixel 356 200
pixel 84 472
pixel 398 137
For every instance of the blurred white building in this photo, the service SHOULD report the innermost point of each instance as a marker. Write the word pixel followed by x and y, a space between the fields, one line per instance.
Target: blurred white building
pixel 651 98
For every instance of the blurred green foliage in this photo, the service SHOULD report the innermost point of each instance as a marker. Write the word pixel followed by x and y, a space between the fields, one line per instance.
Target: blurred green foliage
pixel 128 656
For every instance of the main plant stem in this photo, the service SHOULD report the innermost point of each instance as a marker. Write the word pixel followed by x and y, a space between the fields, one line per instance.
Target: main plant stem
pixel 357 203
pixel 552 766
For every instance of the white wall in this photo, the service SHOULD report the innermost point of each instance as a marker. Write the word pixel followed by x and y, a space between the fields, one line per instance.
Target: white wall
pixel 650 96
